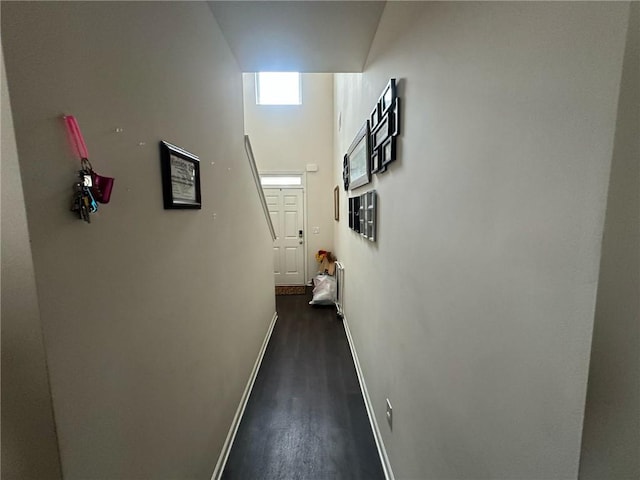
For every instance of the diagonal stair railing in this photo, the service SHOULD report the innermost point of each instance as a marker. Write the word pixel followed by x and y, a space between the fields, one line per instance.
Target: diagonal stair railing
pixel 256 178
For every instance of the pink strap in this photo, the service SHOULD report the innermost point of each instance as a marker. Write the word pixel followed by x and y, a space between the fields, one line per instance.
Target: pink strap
pixel 76 136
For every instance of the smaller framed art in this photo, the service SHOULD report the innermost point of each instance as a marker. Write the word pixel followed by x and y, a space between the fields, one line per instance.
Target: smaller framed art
pixel 388 152
pixel 376 160
pixel 374 118
pixel 389 94
pixel 396 117
pixel 345 172
pixel 354 214
pixel 368 205
pixel 180 178
pixel 387 128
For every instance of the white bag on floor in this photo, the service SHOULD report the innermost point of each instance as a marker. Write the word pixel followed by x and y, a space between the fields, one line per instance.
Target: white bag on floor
pixel 324 292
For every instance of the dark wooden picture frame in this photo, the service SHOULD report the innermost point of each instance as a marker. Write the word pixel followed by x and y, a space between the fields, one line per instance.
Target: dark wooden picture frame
pixel 180 178
pixel 345 172
pixel 383 131
pixel 389 94
pixel 354 214
pixel 383 136
pixel 376 160
pixel 396 117
pixel 374 117
pixel 359 158
pixel 387 152
pixel 336 203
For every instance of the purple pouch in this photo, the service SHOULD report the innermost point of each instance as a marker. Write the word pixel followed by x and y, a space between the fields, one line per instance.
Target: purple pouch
pixel 101 188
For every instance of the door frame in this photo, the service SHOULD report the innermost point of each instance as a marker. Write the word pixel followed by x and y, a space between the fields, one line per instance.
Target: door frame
pixel 303 175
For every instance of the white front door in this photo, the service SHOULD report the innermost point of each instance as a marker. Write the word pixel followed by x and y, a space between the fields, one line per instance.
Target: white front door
pixel 286 210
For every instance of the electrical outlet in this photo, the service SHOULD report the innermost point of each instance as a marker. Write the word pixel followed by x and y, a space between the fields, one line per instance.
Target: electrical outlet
pixel 316 230
pixel 389 414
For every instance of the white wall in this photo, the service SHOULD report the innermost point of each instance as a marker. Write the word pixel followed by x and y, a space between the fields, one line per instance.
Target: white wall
pixel 152 319
pixel 611 437
pixel 474 310
pixel 29 444
pixel 287 138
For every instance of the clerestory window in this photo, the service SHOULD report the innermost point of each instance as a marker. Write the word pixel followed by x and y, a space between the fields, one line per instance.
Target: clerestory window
pixel 278 88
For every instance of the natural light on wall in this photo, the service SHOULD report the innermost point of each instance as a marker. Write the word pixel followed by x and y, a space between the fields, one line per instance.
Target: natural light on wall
pixel 278 88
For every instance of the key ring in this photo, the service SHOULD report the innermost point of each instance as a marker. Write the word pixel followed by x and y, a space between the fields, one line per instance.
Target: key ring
pixel 86 165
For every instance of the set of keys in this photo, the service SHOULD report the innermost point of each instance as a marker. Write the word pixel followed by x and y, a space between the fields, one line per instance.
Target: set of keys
pixel 92 188
pixel 83 203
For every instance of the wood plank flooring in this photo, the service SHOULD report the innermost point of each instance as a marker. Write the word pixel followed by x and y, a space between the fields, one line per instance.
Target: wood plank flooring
pixel 306 418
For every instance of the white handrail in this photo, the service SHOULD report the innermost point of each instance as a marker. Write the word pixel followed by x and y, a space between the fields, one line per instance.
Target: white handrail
pixel 256 178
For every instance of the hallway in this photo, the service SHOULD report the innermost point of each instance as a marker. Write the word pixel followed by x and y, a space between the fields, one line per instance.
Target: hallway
pixel 497 309
pixel 306 417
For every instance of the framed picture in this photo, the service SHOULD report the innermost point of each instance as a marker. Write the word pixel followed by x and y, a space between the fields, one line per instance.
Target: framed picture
pixel 376 163
pixel 358 159
pixel 354 214
pixel 388 152
pixel 180 177
pixel 387 128
pixel 389 94
pixel 383 130
pixel 396 117
pixel 368 206
pixel 374 118
pixel 345 172
pixel 350 212
pixel 336 204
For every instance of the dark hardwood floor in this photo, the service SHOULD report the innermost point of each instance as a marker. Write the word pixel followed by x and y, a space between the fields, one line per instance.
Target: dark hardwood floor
pixel 306 418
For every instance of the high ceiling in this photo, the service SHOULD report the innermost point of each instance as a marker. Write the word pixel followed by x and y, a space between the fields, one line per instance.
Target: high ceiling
pixel 304 36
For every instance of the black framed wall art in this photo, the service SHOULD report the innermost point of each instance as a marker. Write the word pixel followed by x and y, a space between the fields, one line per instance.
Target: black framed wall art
pixel 368 207
pixel 180 178
pixel 363 214
pixel 345 172
pixel 385 129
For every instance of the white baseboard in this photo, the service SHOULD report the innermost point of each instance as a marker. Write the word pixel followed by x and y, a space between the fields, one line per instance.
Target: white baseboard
pixel 228 443
pixel 386 466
